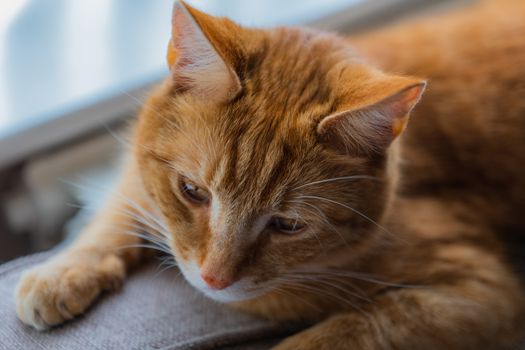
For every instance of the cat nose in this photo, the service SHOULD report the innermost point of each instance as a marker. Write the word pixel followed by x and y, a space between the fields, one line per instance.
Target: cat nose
pixel 215 282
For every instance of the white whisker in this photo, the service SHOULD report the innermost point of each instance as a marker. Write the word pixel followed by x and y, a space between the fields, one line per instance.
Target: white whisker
pixel 307 286
pixel 141 210
pixel 147 238
pixel 354 275
pixel 354 177
pixel 384 229
pixel 148 246
pixel 320 279
pixel 295 296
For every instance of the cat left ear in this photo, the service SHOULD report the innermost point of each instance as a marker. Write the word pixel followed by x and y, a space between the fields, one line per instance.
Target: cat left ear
pixel 195 63
pixel 376 121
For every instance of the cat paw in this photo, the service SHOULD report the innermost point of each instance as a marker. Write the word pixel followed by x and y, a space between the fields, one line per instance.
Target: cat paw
pixel 57 291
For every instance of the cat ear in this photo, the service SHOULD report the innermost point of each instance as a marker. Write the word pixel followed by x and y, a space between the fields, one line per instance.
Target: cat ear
pixel 195 63
pixel 376 121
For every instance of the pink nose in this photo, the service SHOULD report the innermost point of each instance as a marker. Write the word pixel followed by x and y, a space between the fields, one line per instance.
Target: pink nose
pixel 215 282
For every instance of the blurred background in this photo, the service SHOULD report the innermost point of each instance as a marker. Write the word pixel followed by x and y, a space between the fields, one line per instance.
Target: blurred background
pixel 73 74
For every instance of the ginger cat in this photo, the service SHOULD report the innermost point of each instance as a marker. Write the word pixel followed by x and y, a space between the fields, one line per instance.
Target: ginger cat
pixel 270 164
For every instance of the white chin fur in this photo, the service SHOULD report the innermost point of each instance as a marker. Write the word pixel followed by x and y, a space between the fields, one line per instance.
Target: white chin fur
pixel 238 291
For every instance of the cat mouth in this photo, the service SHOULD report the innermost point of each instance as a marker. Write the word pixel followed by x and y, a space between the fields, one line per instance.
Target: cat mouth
pixel 241 290
pixel 233 294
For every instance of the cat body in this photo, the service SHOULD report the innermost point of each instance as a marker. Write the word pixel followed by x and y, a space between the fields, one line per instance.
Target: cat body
pixel 468 143
pixel 275 166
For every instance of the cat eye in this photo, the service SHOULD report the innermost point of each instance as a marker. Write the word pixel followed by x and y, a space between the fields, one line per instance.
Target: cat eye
pixel 194 193
pixel 285 225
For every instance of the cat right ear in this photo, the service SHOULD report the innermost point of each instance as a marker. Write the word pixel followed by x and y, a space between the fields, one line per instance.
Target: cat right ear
pixel 196 65
pixel 379 118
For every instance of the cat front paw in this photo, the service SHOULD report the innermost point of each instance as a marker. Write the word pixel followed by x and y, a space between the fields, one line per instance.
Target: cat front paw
pixel 59 290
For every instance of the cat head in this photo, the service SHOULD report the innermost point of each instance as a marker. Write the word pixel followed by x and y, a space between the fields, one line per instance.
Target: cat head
pixel 267 149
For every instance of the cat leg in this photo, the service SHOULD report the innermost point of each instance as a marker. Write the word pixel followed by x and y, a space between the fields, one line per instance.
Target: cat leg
pixel 67 284
pixel 482 308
